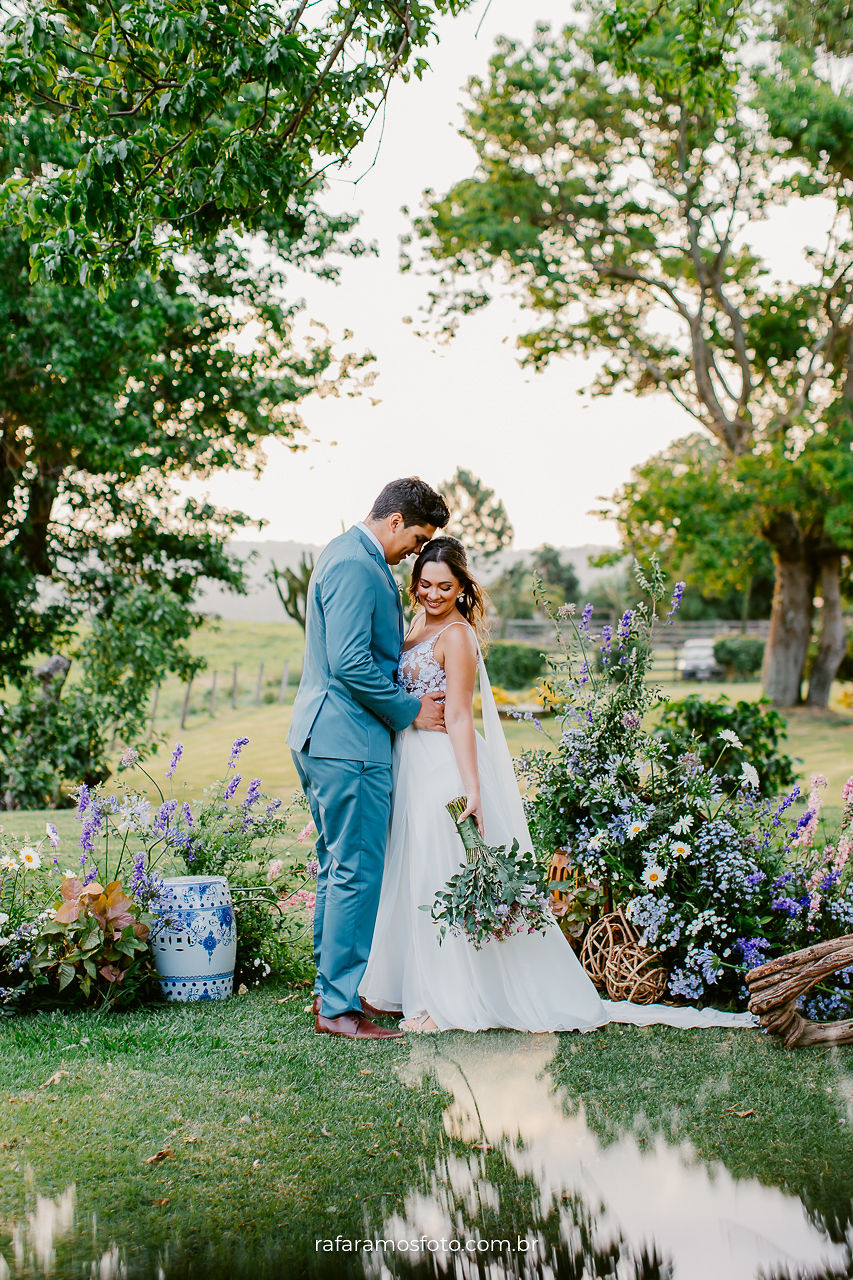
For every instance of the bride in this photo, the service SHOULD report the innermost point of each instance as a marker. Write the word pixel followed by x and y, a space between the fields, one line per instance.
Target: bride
pixel 529 982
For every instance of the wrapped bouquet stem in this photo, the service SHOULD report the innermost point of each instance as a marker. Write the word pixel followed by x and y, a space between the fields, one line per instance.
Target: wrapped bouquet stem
pixel 496 893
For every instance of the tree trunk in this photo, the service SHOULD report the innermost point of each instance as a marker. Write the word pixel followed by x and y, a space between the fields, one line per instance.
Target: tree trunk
pixel 790 626
pixel 833 640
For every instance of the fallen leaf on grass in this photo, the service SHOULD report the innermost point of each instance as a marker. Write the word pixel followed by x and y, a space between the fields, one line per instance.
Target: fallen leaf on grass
pixel 242 990
pixel 365 1071
pixel 481 1146
pixel 742 1115
pixel 166 1154
pixel 297 995
pixel 191 1138
pixel 54 1079
pixel 161 1203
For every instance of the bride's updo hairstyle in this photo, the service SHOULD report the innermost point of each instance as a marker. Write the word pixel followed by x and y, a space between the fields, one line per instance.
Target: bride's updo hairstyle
pixel 450 551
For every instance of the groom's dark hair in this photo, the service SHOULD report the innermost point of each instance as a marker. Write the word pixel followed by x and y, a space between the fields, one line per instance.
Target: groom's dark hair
pixel 415 500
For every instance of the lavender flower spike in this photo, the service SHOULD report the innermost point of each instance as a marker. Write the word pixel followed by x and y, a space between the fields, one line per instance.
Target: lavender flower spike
pixel 176 755
pixel 237 747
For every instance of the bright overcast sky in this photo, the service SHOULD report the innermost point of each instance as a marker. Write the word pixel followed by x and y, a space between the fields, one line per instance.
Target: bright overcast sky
pixel 546 452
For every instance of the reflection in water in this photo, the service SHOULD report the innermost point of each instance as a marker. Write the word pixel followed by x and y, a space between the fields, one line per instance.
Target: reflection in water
pixel 522 1189
pixel 643 1211
pixel 33 1241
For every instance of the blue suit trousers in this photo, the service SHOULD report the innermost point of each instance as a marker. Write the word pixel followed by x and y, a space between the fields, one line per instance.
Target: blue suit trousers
pixel 350 802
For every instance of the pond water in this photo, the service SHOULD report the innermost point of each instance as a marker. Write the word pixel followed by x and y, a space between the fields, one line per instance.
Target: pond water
pixel 525 1186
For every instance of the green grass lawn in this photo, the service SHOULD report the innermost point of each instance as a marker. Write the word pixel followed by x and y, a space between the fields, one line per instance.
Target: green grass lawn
pixel 226 1139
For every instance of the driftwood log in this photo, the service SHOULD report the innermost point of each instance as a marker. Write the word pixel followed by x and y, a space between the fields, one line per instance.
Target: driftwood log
pixel 775 987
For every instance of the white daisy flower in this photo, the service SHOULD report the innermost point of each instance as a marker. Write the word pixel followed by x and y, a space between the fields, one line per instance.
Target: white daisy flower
pixel 749 775
pixel 729 735
pixel 8 863
pixel 679 849
pixel 30 858
pixel 682 826
pixel 635 828
pixel 653 876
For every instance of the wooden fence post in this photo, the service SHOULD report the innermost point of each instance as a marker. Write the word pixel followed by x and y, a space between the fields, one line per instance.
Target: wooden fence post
pixel 185 709
pixel 213 693
pixel 282 688
pixel 260 689
pixel 234 685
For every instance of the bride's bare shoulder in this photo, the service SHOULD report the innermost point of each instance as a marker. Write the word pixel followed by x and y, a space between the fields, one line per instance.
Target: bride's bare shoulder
pixel 457 643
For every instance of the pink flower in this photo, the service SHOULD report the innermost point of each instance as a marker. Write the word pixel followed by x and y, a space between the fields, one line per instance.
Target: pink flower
pixel 306 832
pixel 274 869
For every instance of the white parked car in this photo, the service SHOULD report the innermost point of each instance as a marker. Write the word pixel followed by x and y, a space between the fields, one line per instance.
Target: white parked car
pixel 697 662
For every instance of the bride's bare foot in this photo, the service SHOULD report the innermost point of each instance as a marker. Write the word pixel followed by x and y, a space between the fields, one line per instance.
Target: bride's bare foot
pixel 423 1022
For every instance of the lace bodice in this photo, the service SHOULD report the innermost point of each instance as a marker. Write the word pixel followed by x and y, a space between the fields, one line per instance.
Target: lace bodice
pixel 419 671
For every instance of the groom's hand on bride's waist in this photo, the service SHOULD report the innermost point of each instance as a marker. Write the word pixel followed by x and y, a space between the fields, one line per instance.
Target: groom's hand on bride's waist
pixel 431 714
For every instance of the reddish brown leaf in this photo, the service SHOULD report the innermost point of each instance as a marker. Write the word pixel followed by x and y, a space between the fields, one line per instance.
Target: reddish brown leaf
pixel 159 1156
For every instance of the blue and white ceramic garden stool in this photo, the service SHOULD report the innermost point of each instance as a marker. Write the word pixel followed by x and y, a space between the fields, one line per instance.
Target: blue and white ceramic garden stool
pixel 195 941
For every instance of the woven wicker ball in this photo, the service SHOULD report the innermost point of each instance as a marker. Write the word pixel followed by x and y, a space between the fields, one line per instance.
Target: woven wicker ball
pixel 614 959
pixel 610 931
pixel 631 973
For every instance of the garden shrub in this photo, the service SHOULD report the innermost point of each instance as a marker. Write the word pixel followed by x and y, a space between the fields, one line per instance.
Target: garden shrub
pixel 512 665
pixel 697 724
pixel 741 656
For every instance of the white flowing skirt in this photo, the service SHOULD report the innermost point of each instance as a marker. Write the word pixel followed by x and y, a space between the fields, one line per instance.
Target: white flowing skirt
pixel 529 982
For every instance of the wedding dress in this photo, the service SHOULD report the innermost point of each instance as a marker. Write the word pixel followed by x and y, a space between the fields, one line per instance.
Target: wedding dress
pixel 529 982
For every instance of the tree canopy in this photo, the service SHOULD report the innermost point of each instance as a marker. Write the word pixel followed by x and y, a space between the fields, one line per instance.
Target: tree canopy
pixel 186 118
pixel 478 517
pixel 620 166
pixel 106 402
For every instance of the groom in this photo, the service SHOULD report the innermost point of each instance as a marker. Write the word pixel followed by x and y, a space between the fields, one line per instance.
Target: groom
pixel 347 707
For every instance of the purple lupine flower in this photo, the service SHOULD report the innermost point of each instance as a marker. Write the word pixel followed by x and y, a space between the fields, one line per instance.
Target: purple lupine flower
pixel 751 949
pixel 253 793
pixel 624 630
pixel 232 786
pixel 754 879
pixel 272 807
pixel 803 822
pixel 675 602
pixel 91 828
pixel 586 617
pixel 606 639
pixel 90 875
pixel 53 836
pixel 236 748
pixel 164 814
pixel 187 814
pixel 83 798
pixel 176 755
pixel 786 904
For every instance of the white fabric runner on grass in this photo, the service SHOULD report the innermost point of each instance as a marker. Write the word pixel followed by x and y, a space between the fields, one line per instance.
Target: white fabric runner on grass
pixel 687 1018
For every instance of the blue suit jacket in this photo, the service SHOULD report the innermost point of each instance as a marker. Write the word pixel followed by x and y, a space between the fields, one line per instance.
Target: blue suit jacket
pixel 348 701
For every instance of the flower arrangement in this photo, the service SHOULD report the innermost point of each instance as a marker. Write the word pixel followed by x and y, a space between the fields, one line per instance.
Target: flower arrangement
pixel 497 892
pixel 711 875
pixel 26 895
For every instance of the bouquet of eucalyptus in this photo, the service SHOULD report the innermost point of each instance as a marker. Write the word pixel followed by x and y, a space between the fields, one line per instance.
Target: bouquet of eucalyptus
pixel 495 894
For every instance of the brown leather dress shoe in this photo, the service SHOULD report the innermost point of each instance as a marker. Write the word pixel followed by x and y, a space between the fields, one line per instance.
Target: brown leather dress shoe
pixel 355 1027
pixel 366 1008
